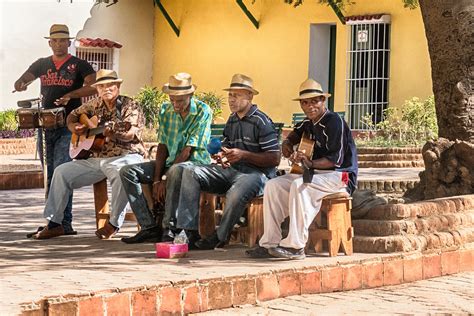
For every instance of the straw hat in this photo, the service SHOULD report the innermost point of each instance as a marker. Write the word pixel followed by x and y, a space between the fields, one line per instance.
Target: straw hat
pixel 310 89
pixel 58 31
pixel 104 76
pixel 179 84
pixel 241 82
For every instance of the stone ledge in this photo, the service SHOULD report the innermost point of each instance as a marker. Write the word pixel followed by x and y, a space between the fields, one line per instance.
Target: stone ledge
pixel 389 150
pixel 392 164
pixel 386 186
pixel 424 225
pixel 389 157
pixel 453 204
pixel 185 297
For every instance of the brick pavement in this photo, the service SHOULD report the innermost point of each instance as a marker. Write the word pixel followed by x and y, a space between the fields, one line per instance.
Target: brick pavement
pixel 453 295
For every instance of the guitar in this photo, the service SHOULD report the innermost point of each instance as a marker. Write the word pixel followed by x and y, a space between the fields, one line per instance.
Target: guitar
pixel 306 146
pixel 82 146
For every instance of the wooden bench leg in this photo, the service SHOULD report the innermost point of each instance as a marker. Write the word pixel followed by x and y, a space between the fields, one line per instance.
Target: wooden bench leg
pixel 207 206
pixel 255 221
pixel 349 234
pixel 101 201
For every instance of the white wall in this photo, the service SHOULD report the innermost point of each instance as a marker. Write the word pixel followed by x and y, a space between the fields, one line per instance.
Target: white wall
pixel 131 23
pixel 23 25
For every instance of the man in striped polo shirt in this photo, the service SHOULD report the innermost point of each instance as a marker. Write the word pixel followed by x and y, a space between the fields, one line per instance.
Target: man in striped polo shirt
pixel 184 132
pixel 248 158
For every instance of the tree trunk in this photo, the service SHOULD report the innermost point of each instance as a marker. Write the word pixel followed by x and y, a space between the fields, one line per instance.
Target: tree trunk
pixel 450 33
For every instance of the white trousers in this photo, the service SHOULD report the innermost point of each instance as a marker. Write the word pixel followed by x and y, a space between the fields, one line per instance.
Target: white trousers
pixel 288 196
pixel 78 173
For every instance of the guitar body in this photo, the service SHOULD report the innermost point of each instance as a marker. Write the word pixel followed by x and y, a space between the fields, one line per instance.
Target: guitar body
pixel 306 145
pixel 82 146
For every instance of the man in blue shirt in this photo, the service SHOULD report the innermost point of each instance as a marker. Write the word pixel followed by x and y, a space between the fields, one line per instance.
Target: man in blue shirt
pixel 250 152
pixel 334 159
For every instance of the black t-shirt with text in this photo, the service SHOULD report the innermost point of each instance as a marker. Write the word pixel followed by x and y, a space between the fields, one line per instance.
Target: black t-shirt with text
pixel 55 83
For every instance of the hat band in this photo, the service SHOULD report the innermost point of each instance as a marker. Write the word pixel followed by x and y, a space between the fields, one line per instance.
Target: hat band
pixel 242 85
pixel 56 32
pixel 310 91
pixel 180 88
pixel 105 78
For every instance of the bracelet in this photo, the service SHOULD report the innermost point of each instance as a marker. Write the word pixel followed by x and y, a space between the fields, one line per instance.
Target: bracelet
pixel 156 182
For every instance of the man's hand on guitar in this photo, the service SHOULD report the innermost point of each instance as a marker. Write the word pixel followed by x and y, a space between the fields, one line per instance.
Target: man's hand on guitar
pixel 109 131
pixel 286 148
pixel 299 157
pixel 80 129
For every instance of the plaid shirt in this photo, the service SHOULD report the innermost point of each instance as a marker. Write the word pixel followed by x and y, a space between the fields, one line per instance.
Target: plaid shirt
pixel 194 131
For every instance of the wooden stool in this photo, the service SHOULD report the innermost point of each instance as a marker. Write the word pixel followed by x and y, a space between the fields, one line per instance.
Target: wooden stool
pixel 339 231
pixel 101 201
pixel 254 229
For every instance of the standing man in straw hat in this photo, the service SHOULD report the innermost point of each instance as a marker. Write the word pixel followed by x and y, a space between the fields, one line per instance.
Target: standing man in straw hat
pixel 182 138
pixel 249 155
pixel 123 146
pixel 64 80
pixel 334 157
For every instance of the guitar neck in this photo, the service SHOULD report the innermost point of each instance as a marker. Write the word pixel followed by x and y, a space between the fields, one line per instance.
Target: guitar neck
pixel 96 131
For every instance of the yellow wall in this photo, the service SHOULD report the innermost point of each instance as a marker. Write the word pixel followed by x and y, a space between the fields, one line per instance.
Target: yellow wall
pixel 218 40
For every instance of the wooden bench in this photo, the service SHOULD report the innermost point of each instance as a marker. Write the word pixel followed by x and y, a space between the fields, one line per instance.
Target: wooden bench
pixel 101 203
pixel 298 117
pixel 333 224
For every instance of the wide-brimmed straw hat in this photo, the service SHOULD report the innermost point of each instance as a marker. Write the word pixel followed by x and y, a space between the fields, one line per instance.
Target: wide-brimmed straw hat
pixel 58 31
pixel 310 89
pixel 241 82
pixel 179 84
pixel 104 76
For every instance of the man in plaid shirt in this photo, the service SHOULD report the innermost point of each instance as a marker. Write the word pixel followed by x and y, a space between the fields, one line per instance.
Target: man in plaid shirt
pixel 184 132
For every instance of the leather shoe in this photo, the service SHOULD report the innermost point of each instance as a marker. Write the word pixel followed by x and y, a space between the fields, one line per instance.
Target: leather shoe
pixel 287 253
pixel 258 253
pixel 106 232
pixel 147 235
pixel 47 233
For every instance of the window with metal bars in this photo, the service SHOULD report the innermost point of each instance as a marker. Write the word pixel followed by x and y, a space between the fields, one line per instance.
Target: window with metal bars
pixel 99 58
pixel 368 59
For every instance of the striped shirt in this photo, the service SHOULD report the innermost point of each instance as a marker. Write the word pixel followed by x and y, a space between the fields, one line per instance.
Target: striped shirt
pixel 255 133
pixel 332 140
pixel 193 131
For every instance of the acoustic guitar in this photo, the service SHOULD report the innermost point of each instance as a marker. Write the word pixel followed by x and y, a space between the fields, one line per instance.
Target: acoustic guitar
pixel 82 146
pixel 306 146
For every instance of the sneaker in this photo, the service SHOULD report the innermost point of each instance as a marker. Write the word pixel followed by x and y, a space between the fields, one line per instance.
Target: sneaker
pixel 258 253
pixel 167 235
pixel 144 235
pixel 287 253
pixel 209 243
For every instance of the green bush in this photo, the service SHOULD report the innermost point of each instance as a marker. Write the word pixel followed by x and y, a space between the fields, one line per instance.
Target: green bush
pixel 151 98
pixel 8 120
pixel 414 126
pixel 214 100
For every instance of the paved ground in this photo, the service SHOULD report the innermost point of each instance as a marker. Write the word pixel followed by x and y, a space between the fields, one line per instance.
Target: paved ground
pixel 453 295
pixel 31 269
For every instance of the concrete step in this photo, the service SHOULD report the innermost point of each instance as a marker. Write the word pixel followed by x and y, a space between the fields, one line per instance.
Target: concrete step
pixel 448 205
pixel 404 243
pixel 424 225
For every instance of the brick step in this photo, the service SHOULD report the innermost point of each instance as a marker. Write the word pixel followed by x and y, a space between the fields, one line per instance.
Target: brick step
pixel 389 157
pixel 425 225
pixel 448 205
pixel 21 180
pixel 386 186
pixel 15 146
pixel 392 164
pixel 423 242
pixel 389 150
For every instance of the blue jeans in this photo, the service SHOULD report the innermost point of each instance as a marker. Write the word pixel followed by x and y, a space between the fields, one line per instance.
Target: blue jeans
pixel 57 152
pixel 134 175
pixel 239 185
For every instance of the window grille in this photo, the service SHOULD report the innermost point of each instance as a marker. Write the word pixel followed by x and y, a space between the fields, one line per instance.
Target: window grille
pixel 99 58
pixel 368 60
